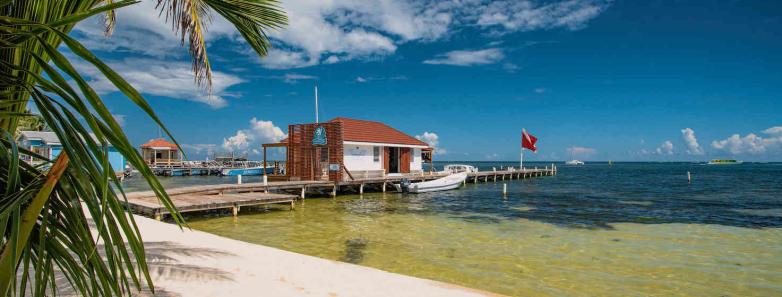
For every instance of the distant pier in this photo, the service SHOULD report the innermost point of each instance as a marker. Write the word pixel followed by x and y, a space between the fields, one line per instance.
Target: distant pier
pixel 234 196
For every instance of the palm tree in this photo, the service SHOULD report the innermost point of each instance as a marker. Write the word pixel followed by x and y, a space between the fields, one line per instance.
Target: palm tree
pixel 67 218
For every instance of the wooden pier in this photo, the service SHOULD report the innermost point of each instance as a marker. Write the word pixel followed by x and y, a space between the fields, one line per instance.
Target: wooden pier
pixel 234 196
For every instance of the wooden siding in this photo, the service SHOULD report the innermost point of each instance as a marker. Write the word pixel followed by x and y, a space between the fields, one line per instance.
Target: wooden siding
pixel 303 158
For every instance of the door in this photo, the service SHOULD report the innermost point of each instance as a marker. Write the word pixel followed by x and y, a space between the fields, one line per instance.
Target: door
pixel 404 159
pixel 393 160
pixel 320 162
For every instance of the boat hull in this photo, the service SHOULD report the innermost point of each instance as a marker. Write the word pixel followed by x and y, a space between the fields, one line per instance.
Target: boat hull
pixel 246 171
pixel 450 182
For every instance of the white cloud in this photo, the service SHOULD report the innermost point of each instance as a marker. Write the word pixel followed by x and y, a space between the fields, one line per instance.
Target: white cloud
pixel 468 57
pixel 120 119
pixel 259 132
pixel 283 59
pixel 363 79
pixel 693 148
pixel 510 67
pixel 350 29
pixel 198 148
pixel 580 151
pixel 433 140
pixel 773 130
pixel 292 78
pixel 141 30
pixel 528 15
pixel 666 148
pixel 752 143
pixel 337 31
pixel 172 79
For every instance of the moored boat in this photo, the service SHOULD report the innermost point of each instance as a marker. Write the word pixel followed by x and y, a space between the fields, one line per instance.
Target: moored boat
pixel 456 168
pixel 724 162
pixel 449 182
pixel 257 170
pixel 574 162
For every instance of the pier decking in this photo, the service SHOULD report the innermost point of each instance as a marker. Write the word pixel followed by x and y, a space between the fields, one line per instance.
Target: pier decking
pixel 234 196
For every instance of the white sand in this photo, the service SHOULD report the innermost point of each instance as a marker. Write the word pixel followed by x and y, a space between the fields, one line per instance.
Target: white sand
pixel 194 263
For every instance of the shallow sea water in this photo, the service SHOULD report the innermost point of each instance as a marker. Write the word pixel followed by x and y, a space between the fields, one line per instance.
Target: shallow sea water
pixel 631 229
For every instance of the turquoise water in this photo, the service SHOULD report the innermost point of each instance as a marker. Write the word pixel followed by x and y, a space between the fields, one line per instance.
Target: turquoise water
pixel 636 229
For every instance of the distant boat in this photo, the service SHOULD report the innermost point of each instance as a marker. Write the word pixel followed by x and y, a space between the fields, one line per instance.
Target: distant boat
pixel 724 162
pixel 449 182
pixel 257 170
pixel 456 168
pixel 574 162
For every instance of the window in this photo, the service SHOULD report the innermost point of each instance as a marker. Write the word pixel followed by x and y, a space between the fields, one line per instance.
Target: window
pixel 324 154
pixel 376 154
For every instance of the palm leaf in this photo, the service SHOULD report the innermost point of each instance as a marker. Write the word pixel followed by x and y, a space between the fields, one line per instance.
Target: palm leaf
pixel 45 210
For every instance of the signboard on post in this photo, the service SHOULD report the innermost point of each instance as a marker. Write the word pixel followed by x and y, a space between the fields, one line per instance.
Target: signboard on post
pixel 320 136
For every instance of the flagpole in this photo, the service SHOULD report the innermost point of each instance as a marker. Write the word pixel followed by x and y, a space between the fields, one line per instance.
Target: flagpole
pixel 521 158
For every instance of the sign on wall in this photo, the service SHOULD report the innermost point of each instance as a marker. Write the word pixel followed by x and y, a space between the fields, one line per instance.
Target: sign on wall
pixel 333 167
pixel 320 136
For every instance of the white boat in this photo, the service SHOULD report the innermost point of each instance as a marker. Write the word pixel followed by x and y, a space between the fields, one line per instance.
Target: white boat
pixel 456 168
pixel 449 182
pixel 724 162
pixel 256 170
pixel 574 162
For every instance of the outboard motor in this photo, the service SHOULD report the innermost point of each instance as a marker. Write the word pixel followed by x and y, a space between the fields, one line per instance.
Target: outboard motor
pixel 404 184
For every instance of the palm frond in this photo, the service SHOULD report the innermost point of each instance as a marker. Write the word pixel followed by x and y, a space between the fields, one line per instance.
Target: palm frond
pixel 68 217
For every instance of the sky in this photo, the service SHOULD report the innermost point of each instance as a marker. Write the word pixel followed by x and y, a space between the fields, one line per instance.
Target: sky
pixel 592 80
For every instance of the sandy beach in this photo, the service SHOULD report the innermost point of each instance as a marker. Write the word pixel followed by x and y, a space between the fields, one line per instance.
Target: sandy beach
pixel 194 263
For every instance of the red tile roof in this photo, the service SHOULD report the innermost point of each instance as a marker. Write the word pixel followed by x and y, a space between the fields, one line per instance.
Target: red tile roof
pixel 160 142
pixel 370 131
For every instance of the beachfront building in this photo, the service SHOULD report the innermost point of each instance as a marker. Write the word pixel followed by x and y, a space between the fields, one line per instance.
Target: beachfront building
pixel 47 144
pixel 344 149
pixel 161 153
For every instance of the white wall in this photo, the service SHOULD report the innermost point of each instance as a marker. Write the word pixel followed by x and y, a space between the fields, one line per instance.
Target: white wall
pixel 360 157
pixel 415 161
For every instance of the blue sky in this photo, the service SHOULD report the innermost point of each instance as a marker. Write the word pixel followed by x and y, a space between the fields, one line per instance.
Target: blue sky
pixel 600 80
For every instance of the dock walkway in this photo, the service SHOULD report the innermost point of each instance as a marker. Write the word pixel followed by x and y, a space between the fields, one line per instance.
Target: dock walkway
pixel 234 196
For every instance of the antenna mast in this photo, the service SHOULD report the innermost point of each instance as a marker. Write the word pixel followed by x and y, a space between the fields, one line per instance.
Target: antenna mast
pixel 316 103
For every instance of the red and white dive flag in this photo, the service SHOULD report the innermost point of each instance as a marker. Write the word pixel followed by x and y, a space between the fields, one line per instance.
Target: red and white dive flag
pixel 528 141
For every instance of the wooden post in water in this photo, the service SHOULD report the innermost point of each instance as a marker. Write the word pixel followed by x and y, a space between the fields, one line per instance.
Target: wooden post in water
pixel 235 210
pixel 689 177
pixel 334 191
pixel 504 189
pixel 384 187
pixel 303 190
pixel 239 179
pixel 361 189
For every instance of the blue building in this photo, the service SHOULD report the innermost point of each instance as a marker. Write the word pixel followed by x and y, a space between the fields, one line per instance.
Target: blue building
pixel 48 145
